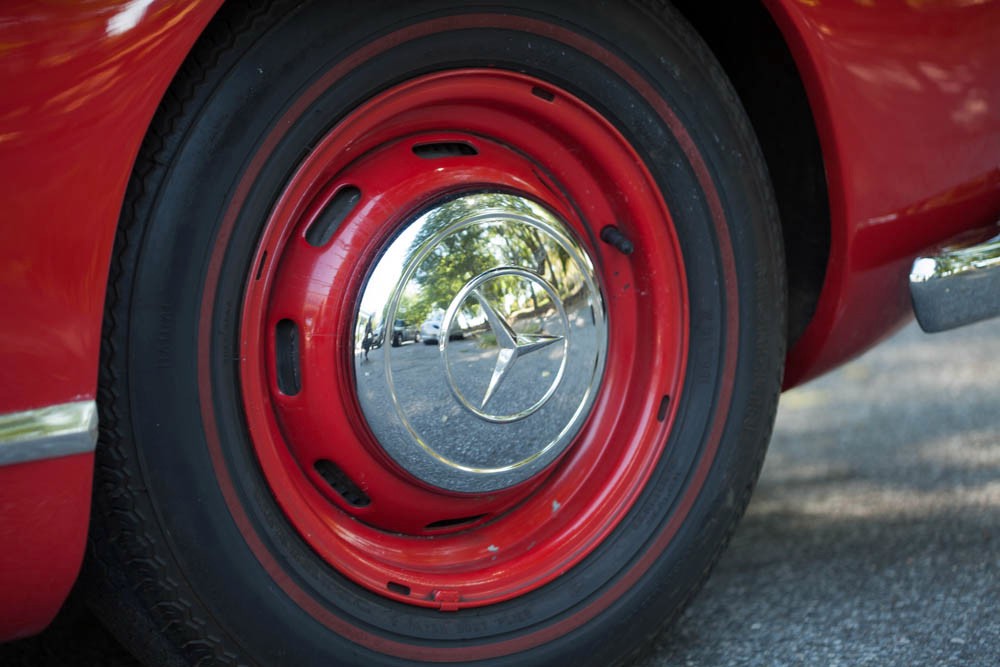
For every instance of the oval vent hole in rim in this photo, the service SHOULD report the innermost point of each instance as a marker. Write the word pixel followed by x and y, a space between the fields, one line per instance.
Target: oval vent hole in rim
pixel 260 267
pixel 444 149
pixel 453 523
pixel 661 414
pixel 341 483
pixel 399 589
pixel 541 93
pixel 286 358
pixel 326 223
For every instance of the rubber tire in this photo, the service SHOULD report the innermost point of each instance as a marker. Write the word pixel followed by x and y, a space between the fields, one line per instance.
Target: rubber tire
pixel 167 567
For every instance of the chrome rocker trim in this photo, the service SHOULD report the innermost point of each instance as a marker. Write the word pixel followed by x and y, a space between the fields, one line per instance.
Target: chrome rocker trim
pixel 46 433
pixel 958 286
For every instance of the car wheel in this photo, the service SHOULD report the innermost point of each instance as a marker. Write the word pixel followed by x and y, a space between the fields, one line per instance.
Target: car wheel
pixel 569 174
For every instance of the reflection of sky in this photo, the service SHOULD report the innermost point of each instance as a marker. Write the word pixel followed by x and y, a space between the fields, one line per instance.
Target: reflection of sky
pixel 128 17
pixel 387 273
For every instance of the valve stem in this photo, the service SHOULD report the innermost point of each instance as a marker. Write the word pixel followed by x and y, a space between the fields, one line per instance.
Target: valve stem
pixel 614 238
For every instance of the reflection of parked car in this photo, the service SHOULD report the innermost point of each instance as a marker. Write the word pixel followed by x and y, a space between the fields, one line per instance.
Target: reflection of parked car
pixel 195 194
pixel 403 332
pixel 430 330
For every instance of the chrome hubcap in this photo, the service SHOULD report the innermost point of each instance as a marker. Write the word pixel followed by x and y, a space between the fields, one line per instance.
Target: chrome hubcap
pixel 512 299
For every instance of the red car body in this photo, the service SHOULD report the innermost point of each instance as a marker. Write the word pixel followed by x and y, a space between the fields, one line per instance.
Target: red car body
pixel 906 102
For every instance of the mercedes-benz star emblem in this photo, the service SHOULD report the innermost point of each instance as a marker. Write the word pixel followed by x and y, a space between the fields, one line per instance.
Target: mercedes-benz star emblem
pixel 512 345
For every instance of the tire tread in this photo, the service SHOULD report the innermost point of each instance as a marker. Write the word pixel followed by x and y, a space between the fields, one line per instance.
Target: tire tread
pixel 128 578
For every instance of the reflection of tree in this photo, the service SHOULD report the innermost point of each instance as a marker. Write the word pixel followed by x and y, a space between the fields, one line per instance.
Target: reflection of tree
pixel 981 256
pixel 412 309
pixel 466 253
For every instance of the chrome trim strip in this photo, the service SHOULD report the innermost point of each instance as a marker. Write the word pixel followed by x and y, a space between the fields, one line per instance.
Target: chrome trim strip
pixel 45 433
pixel 958 286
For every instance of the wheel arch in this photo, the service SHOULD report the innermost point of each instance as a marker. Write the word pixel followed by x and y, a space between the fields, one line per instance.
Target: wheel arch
pixel 81 83
pixel 756 57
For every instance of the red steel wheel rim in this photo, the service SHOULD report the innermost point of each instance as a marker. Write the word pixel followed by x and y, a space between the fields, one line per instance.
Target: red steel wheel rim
pixel 389 531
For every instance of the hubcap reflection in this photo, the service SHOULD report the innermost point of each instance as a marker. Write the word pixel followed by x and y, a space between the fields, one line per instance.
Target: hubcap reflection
pixel 521 339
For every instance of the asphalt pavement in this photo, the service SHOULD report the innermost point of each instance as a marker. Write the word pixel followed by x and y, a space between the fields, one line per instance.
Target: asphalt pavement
pixel 873 537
